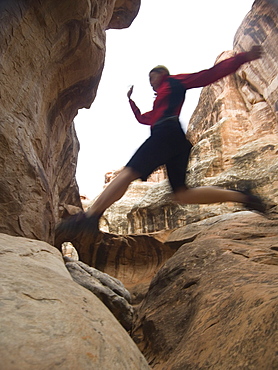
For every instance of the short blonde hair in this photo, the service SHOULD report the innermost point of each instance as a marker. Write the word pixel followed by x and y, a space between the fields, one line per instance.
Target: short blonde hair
pixel 160 68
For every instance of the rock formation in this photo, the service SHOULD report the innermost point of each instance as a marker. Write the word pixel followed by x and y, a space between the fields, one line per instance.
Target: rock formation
pixel 215 301
pixel 205 294
pixel 132 259
pixel 213 305
pixel 115 218
pixel 50 322
pixel 52 56
pixel 109 290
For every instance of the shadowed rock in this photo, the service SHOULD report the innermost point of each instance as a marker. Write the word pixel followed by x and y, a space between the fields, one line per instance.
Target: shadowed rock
pixel 214 303
pixel 132 259
pixel 52 57
pixel 108 289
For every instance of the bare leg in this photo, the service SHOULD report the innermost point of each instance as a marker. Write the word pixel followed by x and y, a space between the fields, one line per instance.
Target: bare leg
pixel 113 192
pixel 70 228
pixel 207 195
pixel 67 230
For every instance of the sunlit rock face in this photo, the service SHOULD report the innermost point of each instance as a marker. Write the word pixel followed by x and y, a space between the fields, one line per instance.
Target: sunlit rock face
pixel 115 218
pixel 52 56
pixel 260 27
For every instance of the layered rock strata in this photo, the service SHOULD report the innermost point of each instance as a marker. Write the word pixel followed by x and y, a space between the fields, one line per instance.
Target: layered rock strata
pixel 132 259
pixel 114 219
pixel 212 299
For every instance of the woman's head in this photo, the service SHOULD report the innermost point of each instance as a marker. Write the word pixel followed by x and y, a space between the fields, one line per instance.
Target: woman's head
pixel 160 69
pixel 156 76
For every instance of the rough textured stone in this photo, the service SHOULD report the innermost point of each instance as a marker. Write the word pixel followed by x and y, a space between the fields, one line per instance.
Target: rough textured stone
pixel 50 322
pixel 156 211
pixel 69 251
pixel 132 259
pixel 260 27
pixel 124 13
pixel 109 290
pixel 114 219
pixel 52 56
pixel 213 305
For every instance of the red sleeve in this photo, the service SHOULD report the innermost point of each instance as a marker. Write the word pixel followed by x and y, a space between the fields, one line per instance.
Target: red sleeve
pixel 145 118
pixel 220 70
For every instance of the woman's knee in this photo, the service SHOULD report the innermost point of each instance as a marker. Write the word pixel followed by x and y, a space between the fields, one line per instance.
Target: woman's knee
pixel 179 193
pixel 129 174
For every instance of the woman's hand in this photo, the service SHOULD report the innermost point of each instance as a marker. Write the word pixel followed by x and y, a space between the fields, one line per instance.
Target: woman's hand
pixel 256 52
pixel 130 91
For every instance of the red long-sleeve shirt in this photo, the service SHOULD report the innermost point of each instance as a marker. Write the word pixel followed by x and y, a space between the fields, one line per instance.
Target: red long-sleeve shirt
pixel 168 103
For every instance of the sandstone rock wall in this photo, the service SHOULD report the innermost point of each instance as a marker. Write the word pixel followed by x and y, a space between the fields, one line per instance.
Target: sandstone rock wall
pixel 52 56
pixel 115 218
pixel 260 27
pixel 211 304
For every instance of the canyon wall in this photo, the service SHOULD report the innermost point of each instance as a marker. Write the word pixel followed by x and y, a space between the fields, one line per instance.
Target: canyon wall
pixel 52 56
pixel 115 218
pixel 205 294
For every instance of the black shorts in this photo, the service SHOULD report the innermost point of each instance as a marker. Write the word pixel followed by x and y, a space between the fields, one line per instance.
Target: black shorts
pixel 166 145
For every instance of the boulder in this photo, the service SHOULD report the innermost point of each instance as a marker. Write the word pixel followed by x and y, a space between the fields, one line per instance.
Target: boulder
pixel 109 290
pixel 50 322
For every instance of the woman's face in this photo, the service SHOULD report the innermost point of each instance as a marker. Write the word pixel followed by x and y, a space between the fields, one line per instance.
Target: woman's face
pixel 155 79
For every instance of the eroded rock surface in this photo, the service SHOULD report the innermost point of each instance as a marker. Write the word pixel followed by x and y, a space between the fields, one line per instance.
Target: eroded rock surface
pixel 50 322
pixel 213 298
pixel 213 305
pixel 132 259
pixel 115 218
pixel 124 13
pixel 109 290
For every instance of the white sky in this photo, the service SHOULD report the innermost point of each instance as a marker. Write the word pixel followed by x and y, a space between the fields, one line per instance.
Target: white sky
pixel 184 35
